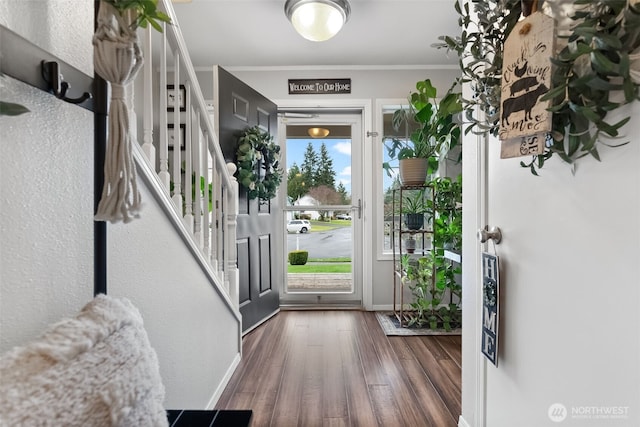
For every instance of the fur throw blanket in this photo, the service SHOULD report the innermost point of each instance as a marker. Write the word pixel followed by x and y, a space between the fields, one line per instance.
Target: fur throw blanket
pixel 97 369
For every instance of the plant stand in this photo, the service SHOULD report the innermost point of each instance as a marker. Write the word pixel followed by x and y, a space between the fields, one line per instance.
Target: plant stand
pixel 399 231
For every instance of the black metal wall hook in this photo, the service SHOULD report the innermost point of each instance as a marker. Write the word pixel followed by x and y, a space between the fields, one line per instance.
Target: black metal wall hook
pixel 51 75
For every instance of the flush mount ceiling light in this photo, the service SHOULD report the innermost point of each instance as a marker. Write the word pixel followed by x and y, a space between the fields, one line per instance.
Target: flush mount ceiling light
pixel 318 132
pixel 317 20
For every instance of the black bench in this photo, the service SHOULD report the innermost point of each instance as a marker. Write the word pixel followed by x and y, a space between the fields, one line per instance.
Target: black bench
pixel 214 418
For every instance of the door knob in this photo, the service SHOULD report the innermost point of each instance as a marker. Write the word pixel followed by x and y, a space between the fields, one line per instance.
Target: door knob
pixel 494 233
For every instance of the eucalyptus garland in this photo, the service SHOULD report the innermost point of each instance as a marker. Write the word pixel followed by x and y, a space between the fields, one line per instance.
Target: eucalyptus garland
pixel 258 159
pixel 602 43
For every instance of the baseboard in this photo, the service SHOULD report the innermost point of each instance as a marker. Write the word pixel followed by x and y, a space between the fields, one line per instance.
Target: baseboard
pixel 382 307
pixel 223 383
pixel 462 422
pixel 388 307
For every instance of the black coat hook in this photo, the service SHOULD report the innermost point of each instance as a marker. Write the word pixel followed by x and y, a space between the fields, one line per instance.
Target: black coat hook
pixel 51 75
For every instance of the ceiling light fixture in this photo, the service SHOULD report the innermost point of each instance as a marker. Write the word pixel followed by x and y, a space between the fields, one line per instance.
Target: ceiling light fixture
pixel 318 132
pixel 317 20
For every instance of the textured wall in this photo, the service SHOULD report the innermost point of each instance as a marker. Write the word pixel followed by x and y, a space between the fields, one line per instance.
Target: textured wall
pixel 46 213
pixel 62 27
pixel 189 326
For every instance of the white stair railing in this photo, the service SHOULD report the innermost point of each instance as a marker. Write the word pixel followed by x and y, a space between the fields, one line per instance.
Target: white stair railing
pixel 190 165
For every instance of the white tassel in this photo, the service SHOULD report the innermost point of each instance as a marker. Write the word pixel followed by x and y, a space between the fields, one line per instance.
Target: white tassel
pixel 117 59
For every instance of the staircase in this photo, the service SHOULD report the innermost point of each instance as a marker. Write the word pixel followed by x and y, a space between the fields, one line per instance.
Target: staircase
pixel 205 206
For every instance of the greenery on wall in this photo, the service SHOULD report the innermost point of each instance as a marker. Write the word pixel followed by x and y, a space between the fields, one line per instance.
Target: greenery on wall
pixel 146 12
pixel 590 73
pixel 258 161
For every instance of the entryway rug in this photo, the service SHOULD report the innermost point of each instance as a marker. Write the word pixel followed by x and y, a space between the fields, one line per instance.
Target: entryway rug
pixel 391 326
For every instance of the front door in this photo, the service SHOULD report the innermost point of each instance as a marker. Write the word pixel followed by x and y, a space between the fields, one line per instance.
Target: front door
pixel 237 107
pixel 323 214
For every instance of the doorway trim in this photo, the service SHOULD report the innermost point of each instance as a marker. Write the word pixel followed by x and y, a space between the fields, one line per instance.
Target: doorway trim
pixel 365 106
pixel 474 198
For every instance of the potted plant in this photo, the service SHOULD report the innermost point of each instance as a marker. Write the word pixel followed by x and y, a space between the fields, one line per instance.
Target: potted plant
pixel 410 244
pixel 414 207
pixel 447 206
pixel 436 131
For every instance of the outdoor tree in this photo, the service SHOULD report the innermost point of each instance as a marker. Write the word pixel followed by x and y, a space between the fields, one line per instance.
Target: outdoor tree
pixel 296 187
pixel 344 196
pixel 325 195
pixel 325 175
pixel 309 166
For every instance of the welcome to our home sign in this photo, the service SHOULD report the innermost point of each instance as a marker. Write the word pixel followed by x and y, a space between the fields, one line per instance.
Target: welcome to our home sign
pixel 490 306
pixel 319 86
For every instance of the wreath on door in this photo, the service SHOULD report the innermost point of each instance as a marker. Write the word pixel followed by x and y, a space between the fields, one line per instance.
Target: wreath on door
pixel 258 160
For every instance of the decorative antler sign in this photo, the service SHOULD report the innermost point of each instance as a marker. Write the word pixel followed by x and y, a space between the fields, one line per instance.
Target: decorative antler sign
pixel 526 77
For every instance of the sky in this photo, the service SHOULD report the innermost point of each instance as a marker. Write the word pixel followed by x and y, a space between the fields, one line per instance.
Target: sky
pixel 339 151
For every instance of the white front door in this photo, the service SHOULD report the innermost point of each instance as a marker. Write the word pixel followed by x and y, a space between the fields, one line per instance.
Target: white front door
pixel 323 212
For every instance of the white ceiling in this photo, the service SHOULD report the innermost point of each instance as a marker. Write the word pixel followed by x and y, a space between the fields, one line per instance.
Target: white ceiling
pixel 256 33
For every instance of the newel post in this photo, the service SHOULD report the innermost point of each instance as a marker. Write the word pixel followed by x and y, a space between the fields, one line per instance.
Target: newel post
pixel 232 276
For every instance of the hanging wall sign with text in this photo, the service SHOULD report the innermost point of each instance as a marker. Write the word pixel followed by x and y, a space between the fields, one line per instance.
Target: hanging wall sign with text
pixel 490 305
pixel 526 77
pixel 319 86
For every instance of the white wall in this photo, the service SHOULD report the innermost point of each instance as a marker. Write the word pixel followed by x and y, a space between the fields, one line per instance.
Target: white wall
pixel 366 84
pixel 194 333
pixel 571 297
pixel 46 181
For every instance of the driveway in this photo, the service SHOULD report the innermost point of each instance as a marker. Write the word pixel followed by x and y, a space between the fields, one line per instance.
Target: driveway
pixel 335 243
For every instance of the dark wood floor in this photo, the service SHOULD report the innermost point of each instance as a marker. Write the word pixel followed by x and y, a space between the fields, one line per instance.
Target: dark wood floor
pixel 337 368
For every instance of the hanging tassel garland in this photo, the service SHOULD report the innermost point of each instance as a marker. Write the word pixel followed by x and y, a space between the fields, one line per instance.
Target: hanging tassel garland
pixel 117 59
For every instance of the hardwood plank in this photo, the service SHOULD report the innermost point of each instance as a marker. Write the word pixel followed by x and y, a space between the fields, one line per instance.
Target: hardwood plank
pixel 287 407
pixel 436 412
pixel 326 368
pixel 447 365
pixel 249 343
pixel 385 406
pixel 360 409
pixel 453 345
pixel 311 408
pixel 334 392
pixel 312 390
pixel 241 400
pixel 258 359
pixel 442 383
pixel 373 370
pixel 269 380
pixel 335 422
pixel 408 404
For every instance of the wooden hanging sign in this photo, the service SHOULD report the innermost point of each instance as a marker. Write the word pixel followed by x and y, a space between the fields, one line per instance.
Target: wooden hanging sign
pixel 526 77
pixel 490 306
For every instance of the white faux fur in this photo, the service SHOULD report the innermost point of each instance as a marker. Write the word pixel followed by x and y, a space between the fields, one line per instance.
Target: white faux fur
pixel 97 369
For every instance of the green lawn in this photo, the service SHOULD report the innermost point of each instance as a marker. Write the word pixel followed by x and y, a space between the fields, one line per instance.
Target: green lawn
pixel 321 267
pixel 325 226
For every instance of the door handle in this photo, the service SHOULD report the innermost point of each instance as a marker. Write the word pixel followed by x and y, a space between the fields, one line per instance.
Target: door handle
pixel 358 207
pixel 493 233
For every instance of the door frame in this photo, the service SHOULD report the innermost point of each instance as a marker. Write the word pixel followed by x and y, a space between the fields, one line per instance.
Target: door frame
pixel 334 298
pixel 365 106
pixel 475 201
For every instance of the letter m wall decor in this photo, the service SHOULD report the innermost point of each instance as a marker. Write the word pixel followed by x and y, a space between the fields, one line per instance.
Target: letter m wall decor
pixel 526 77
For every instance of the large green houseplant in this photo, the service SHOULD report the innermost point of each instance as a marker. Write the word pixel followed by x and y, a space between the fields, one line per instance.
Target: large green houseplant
pixel 436 131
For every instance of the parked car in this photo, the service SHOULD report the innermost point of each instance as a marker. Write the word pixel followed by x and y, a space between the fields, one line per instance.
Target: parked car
pixel 298 226
pixel 343 216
